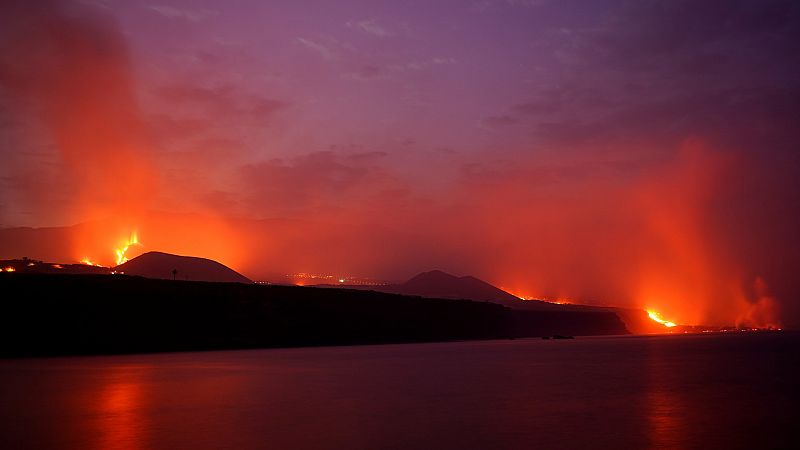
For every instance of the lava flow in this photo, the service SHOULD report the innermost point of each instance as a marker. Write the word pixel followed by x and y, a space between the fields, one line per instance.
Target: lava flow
pixel 89 262
pixel 657 317
pixel 133 240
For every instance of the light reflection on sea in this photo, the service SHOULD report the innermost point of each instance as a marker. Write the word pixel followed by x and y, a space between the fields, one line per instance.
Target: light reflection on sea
pixel 708 391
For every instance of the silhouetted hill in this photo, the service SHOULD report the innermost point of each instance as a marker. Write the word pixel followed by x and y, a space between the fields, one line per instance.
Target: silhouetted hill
pixel 439 284
pixel 51 314
pixel 161 265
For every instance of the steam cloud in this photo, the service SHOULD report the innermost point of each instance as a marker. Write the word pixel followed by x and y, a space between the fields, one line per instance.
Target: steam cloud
pixel 71 66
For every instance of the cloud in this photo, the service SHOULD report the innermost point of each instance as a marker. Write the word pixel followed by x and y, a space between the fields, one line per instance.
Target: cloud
pixel 325 52
pixel 500 121
pixel 203 133
pixel 365 157
pixel 423 64
pixel 527 3
pixel 224 101
pixel 365 73
pixel 317 183
pixel 481 6
pixel 628 76
pixel 442 60
pixel 191 15
pixel 370 26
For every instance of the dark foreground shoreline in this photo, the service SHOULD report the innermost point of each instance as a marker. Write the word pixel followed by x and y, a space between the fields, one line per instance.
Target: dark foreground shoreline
pixel 52 315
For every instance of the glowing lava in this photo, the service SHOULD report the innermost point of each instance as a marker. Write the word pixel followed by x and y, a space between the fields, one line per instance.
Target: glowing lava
pixel 88 262
pixel 657 317
pixel 133 240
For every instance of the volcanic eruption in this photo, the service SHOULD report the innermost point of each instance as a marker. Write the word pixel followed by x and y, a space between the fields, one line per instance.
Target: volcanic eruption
pixel 682 202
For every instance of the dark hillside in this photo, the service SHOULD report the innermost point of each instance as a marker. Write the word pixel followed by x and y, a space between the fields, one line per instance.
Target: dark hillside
pixel 162 265
pixel 91 314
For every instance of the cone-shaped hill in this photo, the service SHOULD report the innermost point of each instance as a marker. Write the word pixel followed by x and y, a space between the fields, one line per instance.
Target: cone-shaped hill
pixel 162 265
pixel 443 285
pixel 440 284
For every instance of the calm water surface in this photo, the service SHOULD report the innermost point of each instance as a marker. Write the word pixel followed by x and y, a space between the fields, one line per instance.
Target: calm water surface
pixel 720 391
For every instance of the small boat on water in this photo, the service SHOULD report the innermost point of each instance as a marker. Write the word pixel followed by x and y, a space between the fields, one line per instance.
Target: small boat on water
pixel 558 336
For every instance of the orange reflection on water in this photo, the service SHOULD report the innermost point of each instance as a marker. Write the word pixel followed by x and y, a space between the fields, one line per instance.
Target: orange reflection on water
pixel 122 419
pixel 666 410
pixel 665 421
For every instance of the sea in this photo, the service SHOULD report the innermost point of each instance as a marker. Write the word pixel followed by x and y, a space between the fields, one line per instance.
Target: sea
pixel 734 390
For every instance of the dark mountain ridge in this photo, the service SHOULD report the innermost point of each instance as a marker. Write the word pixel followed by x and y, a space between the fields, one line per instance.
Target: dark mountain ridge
pixel 161 265
pixel 440 284
pixel 63 314
pixel 437 283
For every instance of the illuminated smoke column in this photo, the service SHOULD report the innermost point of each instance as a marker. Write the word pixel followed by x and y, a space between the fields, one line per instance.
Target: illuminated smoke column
pixel 72 68
pixel 76 72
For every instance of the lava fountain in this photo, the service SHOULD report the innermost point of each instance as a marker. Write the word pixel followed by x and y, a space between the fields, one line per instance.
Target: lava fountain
pixel 133 240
